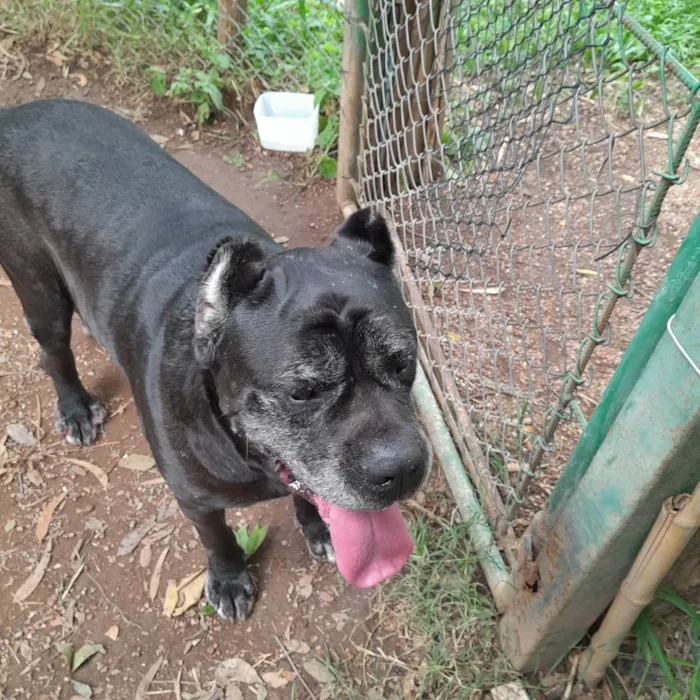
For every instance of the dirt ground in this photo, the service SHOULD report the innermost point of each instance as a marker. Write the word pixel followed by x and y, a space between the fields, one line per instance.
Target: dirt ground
pixel 94 564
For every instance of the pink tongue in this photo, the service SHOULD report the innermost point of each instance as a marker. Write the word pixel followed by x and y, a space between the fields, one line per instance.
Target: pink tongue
pixel 370 545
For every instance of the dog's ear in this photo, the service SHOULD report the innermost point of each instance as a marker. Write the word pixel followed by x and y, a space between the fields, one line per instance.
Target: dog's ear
pixel 366 233
pixel 234 268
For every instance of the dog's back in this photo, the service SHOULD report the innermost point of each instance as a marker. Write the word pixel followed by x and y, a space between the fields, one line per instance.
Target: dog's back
pixel 79 184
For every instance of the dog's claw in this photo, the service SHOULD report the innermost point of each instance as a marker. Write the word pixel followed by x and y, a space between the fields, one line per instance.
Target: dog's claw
pixel 233 597
pixel 79 423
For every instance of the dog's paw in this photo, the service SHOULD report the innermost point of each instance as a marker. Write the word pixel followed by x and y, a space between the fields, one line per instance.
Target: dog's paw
pixel 318 541
pixel 233 597
pixel 80 423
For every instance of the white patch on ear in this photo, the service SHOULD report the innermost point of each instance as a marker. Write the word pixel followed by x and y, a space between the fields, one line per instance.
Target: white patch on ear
pixel 211 292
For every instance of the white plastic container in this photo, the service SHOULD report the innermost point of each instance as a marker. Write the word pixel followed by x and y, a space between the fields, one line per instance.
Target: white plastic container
pixel 287 121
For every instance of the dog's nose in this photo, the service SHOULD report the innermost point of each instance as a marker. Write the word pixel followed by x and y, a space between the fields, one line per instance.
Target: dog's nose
pixel 397 467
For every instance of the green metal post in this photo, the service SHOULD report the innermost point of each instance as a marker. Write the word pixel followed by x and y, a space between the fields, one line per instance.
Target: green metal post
pixel 651 451
pixel 681 274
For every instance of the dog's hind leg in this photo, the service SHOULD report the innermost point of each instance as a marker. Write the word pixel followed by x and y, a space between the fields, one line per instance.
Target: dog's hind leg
pixel 48 311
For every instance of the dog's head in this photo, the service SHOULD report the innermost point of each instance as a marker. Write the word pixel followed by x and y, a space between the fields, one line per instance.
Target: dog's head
pixel 313 354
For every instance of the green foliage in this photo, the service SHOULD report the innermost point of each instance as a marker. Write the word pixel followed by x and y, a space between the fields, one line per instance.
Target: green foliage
pixel 250 540
pixel 200 89
pixel 680 676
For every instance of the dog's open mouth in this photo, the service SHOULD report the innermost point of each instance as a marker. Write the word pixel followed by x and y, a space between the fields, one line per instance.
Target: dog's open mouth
pixel 370 545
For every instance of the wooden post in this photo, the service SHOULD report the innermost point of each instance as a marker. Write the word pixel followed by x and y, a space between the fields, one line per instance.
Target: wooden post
pixel 232 16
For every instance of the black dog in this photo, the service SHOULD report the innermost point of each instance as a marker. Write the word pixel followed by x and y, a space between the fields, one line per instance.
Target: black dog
pixel 256 371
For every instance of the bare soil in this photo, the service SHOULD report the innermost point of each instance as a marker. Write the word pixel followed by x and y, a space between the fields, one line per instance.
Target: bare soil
pixel 89 592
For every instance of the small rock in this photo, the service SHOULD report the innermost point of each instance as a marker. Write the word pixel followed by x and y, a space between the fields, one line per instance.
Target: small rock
pixel 282 240
pixel 509 691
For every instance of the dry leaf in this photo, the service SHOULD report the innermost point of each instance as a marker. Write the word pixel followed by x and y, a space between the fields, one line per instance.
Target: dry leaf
pixel 170 602
pixel 34 476
pixel 160 140
pixel 160 532
pixel 131 541
pixel 190 577
pixel 25 650
pixel 137 463
pixel 44 521
pixel 294 646
pixel 318 671
pixel 191 593
pixel 236 671
pixel 587 273
pixel 83 689
pixel 147 679
pixel 277 679
pixel 145 555
pixel 233 692
pixel 34 579
pixel 261 692
pixel 56 60
pixel 489 291
pixel 99 473
pixel 455 337
pixel 155 577
pixel 40 86
pixel 66 651
pixel 96 526
pixel 81 78
pixel 85 653
pixel 112 633
pixel 305 587
pixel 19 433
pixel 10 525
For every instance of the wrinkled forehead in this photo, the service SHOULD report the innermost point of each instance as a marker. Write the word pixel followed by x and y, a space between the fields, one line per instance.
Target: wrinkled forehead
pixel 324 317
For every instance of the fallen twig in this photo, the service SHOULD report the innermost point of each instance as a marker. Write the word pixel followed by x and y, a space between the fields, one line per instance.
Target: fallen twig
pixel 288 656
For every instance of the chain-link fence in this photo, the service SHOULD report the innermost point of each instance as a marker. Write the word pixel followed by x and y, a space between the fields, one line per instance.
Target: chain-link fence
pixel 522 150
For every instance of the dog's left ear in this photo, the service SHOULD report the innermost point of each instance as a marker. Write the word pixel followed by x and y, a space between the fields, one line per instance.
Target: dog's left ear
pixel 366 233
pixel 234 269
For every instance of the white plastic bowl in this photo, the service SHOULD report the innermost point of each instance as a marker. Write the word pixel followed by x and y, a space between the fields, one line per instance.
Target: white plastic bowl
pixel 287 121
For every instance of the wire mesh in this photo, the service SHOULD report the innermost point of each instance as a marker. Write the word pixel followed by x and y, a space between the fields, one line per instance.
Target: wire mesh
pixel 284 45
pixel 522 149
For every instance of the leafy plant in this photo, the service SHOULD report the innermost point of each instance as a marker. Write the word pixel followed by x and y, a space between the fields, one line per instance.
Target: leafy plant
pixel 199 88
pixel 250 540
pixel 327 141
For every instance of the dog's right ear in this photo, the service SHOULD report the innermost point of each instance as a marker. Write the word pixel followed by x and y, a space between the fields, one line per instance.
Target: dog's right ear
pixel 234 268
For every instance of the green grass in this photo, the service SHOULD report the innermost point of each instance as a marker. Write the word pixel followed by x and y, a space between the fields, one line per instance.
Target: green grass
pixel 675 23
pixel 666 657
pixel 441 622
pixel 171 46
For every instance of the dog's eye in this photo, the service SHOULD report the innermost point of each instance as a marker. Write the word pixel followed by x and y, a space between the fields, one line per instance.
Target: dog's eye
pixel 400 366
pixel 302 394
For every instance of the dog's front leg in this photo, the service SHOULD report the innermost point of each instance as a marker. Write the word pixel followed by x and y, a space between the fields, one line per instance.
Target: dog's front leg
pixel 229 588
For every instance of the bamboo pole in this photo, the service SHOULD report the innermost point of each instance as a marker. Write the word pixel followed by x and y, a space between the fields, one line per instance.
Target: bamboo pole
pixel 678 521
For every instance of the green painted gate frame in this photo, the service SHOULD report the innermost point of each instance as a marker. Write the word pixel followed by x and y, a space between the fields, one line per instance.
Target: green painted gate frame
pixel 641 445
